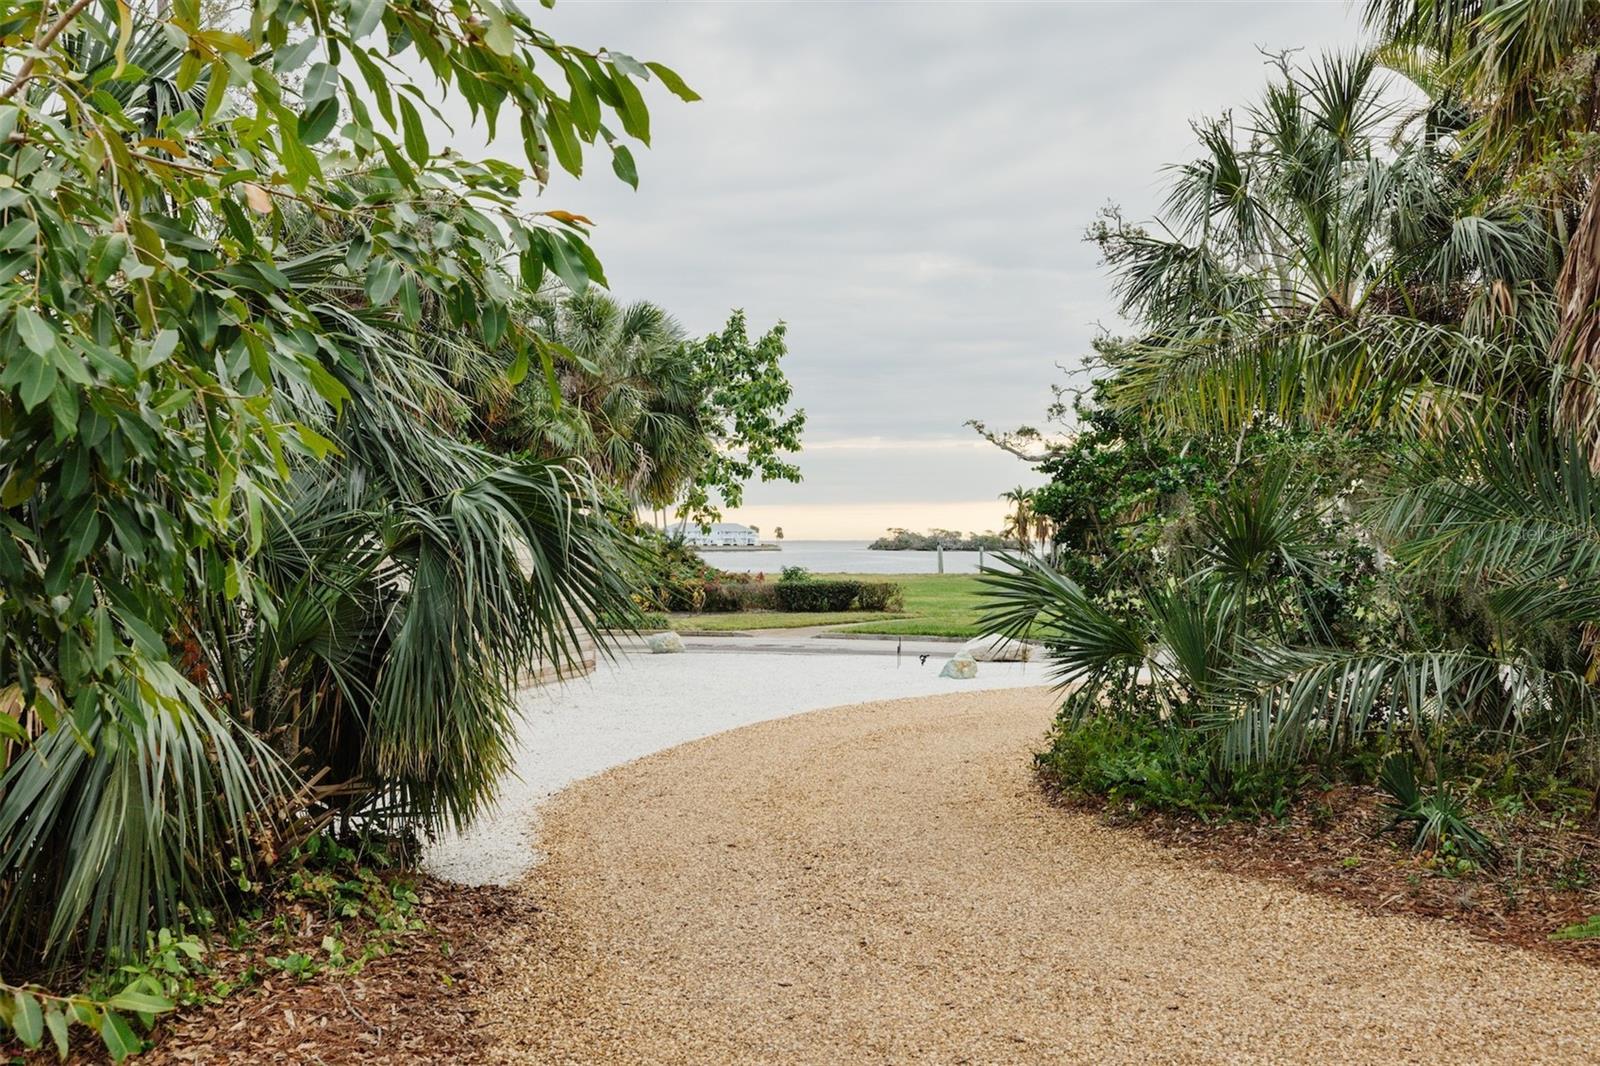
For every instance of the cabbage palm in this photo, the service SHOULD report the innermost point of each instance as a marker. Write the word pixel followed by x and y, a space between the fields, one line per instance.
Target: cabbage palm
pixel 1527 69
pixel 1019 523
pixel 1308 271
pixel 621 394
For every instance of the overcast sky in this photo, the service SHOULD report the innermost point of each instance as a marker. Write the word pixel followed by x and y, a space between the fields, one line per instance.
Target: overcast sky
pixel 907 186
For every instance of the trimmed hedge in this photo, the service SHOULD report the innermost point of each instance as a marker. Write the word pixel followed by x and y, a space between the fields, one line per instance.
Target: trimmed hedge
pixel 736 593
pixel 740 596
pixel 816 596
pixel 881 596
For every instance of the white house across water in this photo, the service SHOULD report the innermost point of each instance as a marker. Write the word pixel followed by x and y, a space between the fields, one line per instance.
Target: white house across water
pixel 721 535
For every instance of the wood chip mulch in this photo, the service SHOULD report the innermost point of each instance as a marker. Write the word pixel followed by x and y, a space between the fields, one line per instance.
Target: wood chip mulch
pixel 1337 842
pixel 413 1005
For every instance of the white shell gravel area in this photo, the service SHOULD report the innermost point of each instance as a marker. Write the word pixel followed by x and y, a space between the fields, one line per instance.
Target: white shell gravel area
pixel 643 703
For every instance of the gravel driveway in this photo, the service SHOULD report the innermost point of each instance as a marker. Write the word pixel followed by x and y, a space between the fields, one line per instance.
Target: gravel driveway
pixel 644 703
pixel 885 883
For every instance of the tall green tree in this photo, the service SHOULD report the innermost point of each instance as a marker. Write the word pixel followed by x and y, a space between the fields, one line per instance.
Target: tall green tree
pixel 746 413
pixel 622 395
pixel 1309 269
pixel 221 438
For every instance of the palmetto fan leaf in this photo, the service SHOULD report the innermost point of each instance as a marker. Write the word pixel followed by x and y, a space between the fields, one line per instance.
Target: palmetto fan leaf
pixel 1287 701
pixel 1517 517
pixel 107 826
pixel 1174 650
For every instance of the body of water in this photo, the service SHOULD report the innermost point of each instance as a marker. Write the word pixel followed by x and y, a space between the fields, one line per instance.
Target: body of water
pixel 844 557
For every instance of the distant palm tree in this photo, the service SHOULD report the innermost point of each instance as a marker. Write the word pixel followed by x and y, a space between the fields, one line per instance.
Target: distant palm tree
pixel 1019 525
pixel 1043 527
pixel 627 401
pixel 778 532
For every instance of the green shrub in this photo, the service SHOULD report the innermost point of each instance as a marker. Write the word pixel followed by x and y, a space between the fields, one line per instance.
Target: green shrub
pixel 1140 761
pixel 739 596
pixel 816 596
pixel 794 573
pixel 881 596
pixel 1440 818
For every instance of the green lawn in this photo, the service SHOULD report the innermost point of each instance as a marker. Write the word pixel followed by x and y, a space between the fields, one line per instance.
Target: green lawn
pixel 937 605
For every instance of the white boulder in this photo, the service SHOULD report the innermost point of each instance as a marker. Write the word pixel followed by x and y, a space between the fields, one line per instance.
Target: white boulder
pixel 961 667
pixel 667 643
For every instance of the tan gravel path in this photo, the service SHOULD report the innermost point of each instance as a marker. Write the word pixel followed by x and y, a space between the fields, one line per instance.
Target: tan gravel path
pixel 885 883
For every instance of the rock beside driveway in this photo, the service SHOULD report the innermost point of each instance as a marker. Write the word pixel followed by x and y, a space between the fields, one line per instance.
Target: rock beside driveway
pixel 664 643
pixel 962 668
pixel 994 648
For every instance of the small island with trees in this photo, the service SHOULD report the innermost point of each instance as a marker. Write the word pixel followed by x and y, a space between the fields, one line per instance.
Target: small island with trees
pixel 904 540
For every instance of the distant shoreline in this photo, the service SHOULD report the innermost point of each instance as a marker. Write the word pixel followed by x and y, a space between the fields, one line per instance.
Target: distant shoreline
pixel 737 547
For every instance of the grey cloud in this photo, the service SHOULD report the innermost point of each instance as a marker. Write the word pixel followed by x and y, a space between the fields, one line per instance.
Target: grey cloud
pixel 908 185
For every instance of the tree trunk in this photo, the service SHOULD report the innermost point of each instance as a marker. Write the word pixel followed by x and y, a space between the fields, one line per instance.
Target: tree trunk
pixel 1577 345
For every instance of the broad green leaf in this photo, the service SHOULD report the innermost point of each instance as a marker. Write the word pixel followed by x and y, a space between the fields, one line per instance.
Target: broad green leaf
pixel 119 1038
pixel 566 263
pixel 36 332
pixel 19 233
pixel 37 380
pixel 519 366
pixel 328 387
pixel 161 349
pixel 674 84
pixel 622 163
pixel 635 116
pixel 142 1002
pixel 585 105
pixel 364 17
pixel 56 1022
pixel 383 280
pixel 318 121
pixel 499 37
pixel 416 139
pixel 563 142
pixel 26 1017
pixel 290 56
pixel 322 83
pixel 410 301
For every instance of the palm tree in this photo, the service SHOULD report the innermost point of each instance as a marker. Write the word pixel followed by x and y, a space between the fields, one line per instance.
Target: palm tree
pixel 1019 525
pixel 621 394
pixel 1527 70
pixel 1309 270
pixel 1345 265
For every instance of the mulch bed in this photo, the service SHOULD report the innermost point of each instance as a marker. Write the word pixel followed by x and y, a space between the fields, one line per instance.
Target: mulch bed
pixel 1334 843
pixel 410 1005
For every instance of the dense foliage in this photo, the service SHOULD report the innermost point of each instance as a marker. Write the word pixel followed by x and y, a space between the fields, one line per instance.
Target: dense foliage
pixel 671 424
pixel 257 575
pixel 1327 504
pixel 675 578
